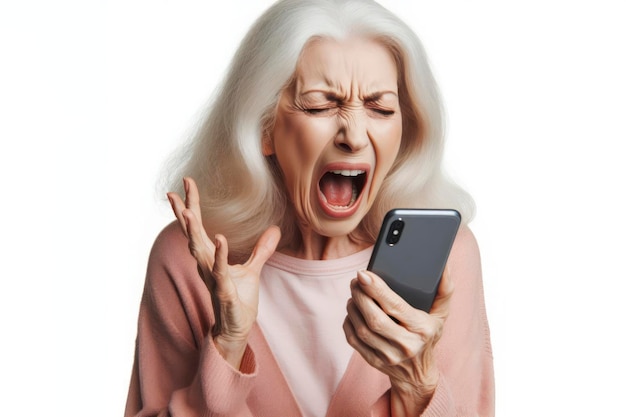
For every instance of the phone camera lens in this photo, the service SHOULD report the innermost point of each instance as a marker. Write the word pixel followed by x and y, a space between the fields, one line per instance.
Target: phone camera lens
pixel 393 236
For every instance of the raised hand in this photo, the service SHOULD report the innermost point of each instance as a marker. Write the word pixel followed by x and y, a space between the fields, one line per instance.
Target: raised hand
pixel 234 289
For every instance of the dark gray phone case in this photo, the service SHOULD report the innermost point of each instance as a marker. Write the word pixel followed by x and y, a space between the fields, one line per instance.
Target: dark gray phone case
pixel 413 265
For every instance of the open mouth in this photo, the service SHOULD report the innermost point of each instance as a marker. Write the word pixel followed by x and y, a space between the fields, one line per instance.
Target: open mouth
pixel 341 188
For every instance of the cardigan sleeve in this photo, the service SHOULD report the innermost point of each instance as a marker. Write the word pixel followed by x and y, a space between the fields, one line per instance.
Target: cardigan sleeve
pixel 177 369
pixel 463 354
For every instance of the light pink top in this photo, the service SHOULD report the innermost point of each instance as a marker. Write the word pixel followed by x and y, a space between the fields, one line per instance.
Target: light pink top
pixel 302 307
pixel 178 371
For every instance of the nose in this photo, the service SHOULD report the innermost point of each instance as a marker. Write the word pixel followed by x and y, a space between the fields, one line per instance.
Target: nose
pixel 352 135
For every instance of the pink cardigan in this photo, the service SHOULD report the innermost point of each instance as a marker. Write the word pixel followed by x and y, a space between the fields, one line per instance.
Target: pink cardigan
pixel 178 371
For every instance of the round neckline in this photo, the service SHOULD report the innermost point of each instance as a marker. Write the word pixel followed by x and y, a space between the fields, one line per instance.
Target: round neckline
pixel 356 261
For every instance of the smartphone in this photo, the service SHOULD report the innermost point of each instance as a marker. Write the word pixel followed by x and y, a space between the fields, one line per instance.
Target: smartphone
pixel 411 252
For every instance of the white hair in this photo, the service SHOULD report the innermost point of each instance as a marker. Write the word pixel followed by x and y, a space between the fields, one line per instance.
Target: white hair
pixel 241 191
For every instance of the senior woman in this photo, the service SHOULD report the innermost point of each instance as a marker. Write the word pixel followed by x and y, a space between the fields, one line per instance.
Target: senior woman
pixel 256 302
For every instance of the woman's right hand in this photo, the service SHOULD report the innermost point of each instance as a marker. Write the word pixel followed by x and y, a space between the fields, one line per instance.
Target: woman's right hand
pixel 234 288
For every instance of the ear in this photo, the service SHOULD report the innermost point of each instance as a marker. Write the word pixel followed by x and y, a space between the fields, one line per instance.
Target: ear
pixel 267 144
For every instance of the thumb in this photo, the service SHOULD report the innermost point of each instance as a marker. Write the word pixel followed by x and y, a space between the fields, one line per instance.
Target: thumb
pixel 264 248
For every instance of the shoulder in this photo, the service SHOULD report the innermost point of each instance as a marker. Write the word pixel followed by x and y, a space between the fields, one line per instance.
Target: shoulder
pixel 170 242
pixel 465 243
pixel 464 263
pixel 170 261
pixel 175 301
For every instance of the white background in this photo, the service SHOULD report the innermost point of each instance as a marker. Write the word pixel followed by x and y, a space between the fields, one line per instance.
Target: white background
pixel 94 96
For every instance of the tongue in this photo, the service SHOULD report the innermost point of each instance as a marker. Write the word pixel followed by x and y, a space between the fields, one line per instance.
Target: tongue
pixel 337 189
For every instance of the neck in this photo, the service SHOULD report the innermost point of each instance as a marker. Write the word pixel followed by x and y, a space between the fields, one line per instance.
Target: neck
pixel 312 246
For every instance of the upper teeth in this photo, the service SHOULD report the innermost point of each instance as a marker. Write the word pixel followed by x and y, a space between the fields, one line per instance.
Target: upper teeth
pixel 348 172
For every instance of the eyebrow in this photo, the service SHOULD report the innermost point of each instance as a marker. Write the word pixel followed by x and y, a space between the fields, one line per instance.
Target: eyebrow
pixel 378 94
pixel 333 94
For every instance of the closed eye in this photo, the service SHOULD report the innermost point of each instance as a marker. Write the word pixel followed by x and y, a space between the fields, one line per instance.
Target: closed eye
pixel 380 109
pixel 321 111
pixel 316 111
pixel 382 112
pixel 385 112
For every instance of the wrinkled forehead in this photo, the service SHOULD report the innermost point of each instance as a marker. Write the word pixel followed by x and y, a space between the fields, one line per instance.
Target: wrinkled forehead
pixel 349 66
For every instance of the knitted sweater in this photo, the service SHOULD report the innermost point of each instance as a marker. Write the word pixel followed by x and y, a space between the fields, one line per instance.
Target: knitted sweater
pixel 178 371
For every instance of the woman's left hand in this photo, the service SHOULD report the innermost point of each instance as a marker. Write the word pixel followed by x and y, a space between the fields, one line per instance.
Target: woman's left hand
pixel 401 347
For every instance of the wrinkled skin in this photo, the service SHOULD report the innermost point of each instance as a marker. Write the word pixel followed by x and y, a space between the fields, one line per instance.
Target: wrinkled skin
pixel 341 112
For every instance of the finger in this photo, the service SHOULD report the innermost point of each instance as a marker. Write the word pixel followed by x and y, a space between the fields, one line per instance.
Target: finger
pixel 200 245
pixel 192 202
pixel 363 349
pixel 178 206
pixel 386 349
pixel 192 197
pixel 224 287
pixel 403 339
pixel 264 248
pixel 375 318
pixel 388 300
pixel 441 305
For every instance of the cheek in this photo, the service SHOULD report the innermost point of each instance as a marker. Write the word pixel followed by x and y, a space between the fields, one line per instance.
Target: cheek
pixel 387 138
pixel 299 140
pixel 298 143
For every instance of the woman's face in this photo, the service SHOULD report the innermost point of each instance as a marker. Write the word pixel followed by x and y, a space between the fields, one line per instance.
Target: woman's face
pixel 337 132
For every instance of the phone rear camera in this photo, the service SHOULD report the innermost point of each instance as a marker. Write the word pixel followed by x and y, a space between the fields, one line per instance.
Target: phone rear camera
pixel 395 231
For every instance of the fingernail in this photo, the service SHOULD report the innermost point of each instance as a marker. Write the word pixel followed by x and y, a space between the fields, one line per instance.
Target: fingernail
pixel 186 185
pixel 170 199
pixel 364 278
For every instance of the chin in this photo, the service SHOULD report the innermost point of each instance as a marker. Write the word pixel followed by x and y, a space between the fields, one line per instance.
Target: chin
pixel 345 226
